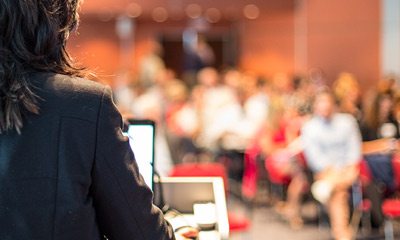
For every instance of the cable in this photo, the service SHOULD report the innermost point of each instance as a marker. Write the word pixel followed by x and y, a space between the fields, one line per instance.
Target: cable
pixel 159 193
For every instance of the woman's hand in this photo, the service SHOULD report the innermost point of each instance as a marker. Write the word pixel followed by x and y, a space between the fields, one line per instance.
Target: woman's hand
pixel 186 233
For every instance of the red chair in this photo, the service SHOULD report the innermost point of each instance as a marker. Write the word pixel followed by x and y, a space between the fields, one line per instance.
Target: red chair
pixel 396 170
pixel 365 173
pixel 236 223
pixel 391 207
pixel 365 205
pixel 250 174
pixel 200 170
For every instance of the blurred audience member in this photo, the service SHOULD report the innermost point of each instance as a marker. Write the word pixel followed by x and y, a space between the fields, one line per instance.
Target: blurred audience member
pixel 255 104
pixel 283 84
pixel 332 146
pixel 245 116
pixel 198 55
pixel 181 123
pixel 152 105
pixel 125 92
pixel 387 85
pixel 283 159
pixel 348 95
pixel 379 130
pixel 217 107
pixel 151 64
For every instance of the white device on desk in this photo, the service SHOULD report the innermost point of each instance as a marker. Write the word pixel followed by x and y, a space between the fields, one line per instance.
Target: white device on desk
pixel 186 193
pixel 141 135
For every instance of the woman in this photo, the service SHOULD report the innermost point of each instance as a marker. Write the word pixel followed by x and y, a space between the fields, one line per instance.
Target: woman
pixel 280 143
pixel 66 170
pixel 348 95
pixel 379 132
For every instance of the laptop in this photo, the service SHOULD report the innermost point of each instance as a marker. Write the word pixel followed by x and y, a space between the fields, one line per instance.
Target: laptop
pixel 181 193
pixel 141 134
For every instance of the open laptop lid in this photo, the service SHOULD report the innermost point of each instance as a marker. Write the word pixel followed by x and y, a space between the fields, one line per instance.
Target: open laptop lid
pixel 141 135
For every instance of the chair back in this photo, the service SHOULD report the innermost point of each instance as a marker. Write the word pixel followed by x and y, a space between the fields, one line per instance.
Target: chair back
pixel 201 170
pixel 396 170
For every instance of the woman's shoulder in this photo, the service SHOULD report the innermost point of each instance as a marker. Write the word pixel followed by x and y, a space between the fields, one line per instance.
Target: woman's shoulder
pixel 72 85
pixel 69 95
pixel 50 85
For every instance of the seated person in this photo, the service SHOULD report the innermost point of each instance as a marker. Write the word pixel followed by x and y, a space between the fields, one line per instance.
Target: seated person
pixel 379 132
pixel 285 160
pixel 332 146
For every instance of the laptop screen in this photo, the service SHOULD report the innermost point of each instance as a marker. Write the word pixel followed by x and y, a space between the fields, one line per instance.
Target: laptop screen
pixel 141 135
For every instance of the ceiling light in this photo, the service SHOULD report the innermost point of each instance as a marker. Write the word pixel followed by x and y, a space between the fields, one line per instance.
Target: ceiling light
pixel 159 14
pixel 134 10
pixel 213 15
pixel 193 10
pixel 251 11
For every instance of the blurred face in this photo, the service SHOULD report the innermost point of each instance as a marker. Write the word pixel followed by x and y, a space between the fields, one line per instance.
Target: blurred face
pixel 282 82
pixel 353 94
pixel 385 106
pixel 232 78
pixel 324 105
pixel 208 77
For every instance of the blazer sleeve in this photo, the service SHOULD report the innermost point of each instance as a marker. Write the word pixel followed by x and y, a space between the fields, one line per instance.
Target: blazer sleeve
pixel 123 203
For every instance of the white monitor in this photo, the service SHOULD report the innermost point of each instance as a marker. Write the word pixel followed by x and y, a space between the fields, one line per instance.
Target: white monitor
pixel 141 135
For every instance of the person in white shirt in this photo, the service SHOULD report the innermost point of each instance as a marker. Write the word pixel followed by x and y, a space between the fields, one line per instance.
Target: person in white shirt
pixel 332 146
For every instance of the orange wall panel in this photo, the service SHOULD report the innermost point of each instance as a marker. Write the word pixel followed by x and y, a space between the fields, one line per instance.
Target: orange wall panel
pixel 345 36
pixel 267 44
pixel 96 47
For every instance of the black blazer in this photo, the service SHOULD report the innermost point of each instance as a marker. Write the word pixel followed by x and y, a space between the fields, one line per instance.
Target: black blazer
pixel 71 174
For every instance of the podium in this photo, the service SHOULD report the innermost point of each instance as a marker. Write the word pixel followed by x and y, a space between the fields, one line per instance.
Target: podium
pixel 181 193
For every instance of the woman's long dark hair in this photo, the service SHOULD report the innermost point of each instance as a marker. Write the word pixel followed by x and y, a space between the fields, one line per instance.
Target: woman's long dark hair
pixel 33 35
pixel 373 117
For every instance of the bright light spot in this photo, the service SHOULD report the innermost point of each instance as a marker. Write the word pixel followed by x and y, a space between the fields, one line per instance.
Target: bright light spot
pixel 251 11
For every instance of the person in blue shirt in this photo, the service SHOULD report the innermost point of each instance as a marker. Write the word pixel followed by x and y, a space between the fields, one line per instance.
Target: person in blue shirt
pixel 332 147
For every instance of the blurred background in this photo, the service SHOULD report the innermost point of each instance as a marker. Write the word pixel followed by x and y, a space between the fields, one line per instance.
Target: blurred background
pixel 230 82
pixel 263 36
